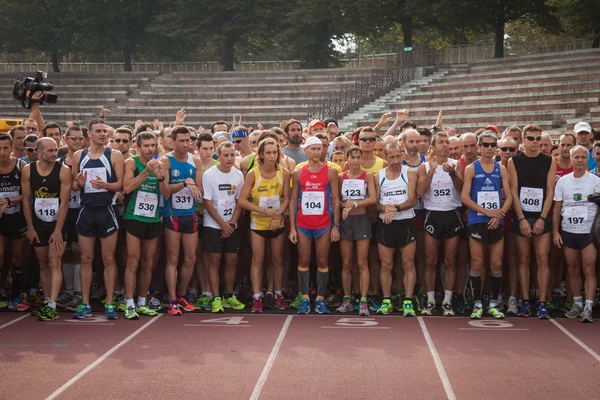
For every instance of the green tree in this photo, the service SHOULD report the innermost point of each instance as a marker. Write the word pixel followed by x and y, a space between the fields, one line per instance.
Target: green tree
pixel 579 18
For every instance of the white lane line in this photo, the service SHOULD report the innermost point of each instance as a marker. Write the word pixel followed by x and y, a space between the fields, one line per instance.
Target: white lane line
pixel 217 326
pixel 355 327
pixel 103 357
pixel 576 340
pixel 269 364
pixel 493 329
pixel 437 360
pixel 14 321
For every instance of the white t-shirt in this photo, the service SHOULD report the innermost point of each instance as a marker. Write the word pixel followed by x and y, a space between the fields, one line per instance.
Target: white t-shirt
pixel 222 189
pixel 577 213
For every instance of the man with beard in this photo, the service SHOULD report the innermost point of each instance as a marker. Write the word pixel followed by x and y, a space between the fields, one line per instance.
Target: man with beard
pixel 293 133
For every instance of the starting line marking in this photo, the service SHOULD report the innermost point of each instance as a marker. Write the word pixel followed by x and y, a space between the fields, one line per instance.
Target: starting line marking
pixel 437 360
pixel 217 326
pixel 82 323
pixel 14 321
pixel 269 364
pixel 104 356
pixel 576 340
pixel 355 327
pixel 33 345
pixel 492 329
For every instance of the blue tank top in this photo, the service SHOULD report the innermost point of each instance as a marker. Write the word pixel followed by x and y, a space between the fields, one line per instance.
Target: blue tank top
pixel 180 203
pixel 485 191
pixel 103 168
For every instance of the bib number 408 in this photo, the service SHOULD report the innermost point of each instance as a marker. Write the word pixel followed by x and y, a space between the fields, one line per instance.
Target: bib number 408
pixel 531 202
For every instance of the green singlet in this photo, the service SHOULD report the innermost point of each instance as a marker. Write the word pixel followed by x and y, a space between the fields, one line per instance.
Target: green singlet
pixel 142 204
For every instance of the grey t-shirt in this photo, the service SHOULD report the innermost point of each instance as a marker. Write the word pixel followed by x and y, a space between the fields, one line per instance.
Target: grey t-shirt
pixel 296 155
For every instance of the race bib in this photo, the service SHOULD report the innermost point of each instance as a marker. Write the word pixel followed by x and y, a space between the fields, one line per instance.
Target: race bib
pixel 488 200
pixel 225 208
pixel 313 203
pixel 46 209
pixel 575 219
pixel 269 202
pixel 398 199
pixel 419 205
pixel 531 199
pixel 15 208
pixel 145 204
pixel 442 192
pixel 182 200
pixel 353 189
pixel 93 174
pixel 74 198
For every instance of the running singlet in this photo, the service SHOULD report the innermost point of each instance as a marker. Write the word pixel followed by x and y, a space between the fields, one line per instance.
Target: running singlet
pixel 577 213
pixel 485 191
pixel 354 188
pixel 266 193
pixel 46 193
pixel 560 172
pixel 376 167
pixel 142 204
pixel 10 186
pixel 395 192
pixel 532 173
pixel 419 208
pixel 314 194
pixel 182 202
pixel 441 195
pixel 101 168
pixel 74 197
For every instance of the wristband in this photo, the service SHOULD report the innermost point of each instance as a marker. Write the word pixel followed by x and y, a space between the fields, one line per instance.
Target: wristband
pixel 8 202
pixel 336 224
pixel 184 184
pixel 542 218
pixel 522 219
pixel 355 204
pixel 161 179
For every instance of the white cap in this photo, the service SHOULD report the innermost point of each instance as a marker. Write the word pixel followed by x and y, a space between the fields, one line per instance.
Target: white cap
pixel 312 141
pixel 582 127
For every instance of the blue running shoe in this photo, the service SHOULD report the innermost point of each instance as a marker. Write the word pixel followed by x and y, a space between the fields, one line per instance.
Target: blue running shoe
pixel 83 311
pixel 542 313
pixel 110 312
pixel 321 307
pixel 524 311
pixel 304 307
pixel 373 303
pixel 459 305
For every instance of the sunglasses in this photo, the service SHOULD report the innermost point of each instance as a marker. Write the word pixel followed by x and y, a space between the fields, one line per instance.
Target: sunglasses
pixel 32 129
pixel 238 141
pixel 30 149
pixel 532 138
pixel 486 145
pixel 367 139
pixel 76 138
pixel 339 148
pixel 122 140
pixel 511 149
pixel 193 138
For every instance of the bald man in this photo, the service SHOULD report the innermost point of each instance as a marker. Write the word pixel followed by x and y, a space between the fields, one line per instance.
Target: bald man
pixel 455 152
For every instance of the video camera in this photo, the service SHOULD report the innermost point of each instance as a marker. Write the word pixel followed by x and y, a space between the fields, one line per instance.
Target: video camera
pixel 25 88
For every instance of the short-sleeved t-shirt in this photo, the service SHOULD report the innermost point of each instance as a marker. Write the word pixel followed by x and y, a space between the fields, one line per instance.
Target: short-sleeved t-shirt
pixel 222 189
pixel 577 212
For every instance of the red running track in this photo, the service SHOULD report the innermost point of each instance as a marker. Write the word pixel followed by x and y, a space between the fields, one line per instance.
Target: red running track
pixel 236 356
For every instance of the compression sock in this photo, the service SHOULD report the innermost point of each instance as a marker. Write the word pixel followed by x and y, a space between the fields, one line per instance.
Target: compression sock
pixel 18 281
pixel 322 278
pixel 475 282
pixel 496 280
pixel 304 281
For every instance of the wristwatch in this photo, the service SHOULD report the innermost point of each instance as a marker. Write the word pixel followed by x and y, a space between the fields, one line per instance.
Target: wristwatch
pixel 336 224
pixel 355 204
pixel 161 179
pixel 233 225
pixel 398 207
pixel 8 202
pixel 435 128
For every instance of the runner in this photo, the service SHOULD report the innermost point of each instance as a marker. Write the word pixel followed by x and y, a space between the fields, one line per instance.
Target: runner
pixel 397 192
pixel 314 201
pixel 571 206
pixel 144 181
pixel 179 217
pixel 293 134
pixel 222 186
pixel 532 178
pixel 484 179
pixel 268 186
pixel 47 184
pixel 357 193
pixel 440 183
pixel 12 222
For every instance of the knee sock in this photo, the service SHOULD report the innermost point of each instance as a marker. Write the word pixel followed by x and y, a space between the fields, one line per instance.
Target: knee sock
pixel 475 283
pixel 322 278
pixel 304 281
pixel 496 280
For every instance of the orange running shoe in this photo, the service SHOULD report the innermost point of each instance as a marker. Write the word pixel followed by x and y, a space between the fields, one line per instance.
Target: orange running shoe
pixel 174 309
pixel 183 303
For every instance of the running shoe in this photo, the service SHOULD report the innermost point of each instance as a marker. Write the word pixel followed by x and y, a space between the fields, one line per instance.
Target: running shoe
pixel 174 309
pixel 363 310
pixel 269 302
pixel 551 306
pixel 422 300
pixel 568 305
pixel 373 303
pixel 130 313
pixel 74 303
pixel 17 304
pixel 524 311
pixel 280 302
pixel 297 302
pixel 356 303
pixel 64 299
pixel 191 297
pixel 496 313
pixel 120 302
pixel 459 304
pixel 321 307
pixel 574 312
pixel 429 308
pixel 110 312
pixel 399 299
pixel 333 300
pixel 154 304
pixel 35 299
pixel 48 313
pixel 233 302
pixel 542 313
pixel 217 305
pixel 83 311
pixel 147 311
pixel 185 305
pixel 304 306
pixel 345 307
pixel 385 308
pixel 477 313
pixel 512 306
pixel 448 311
pixel 257 306
pixel 37 310
pixel 586 315
pixel 407 308
pixel 3 303
pixel 203 302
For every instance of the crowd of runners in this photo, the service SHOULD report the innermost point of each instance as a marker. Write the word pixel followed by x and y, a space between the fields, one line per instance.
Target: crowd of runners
pixel 409 219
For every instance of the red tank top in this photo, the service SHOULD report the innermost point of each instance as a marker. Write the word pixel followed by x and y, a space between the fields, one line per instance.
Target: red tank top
pixel 560 172
pixel 314 208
